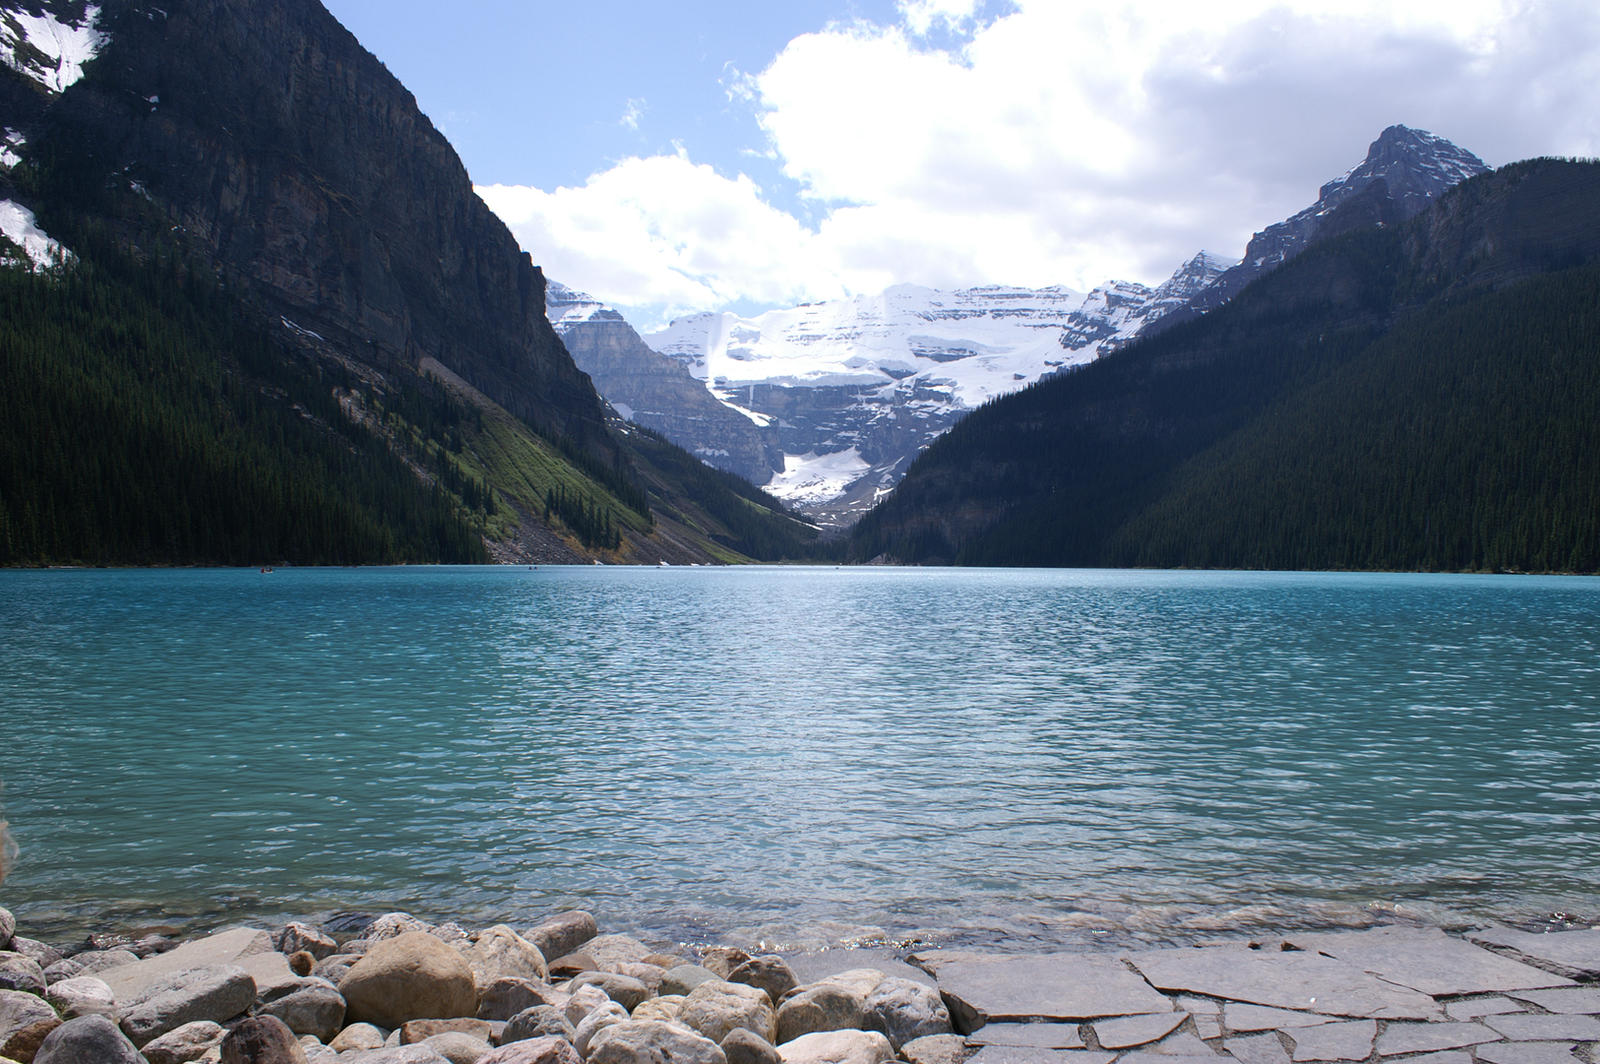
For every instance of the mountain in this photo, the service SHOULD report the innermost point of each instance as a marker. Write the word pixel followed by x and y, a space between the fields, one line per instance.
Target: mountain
pixel 1404 170
pixel 1417 395
pixel 846 393
pixel 656 391
pixel 256 153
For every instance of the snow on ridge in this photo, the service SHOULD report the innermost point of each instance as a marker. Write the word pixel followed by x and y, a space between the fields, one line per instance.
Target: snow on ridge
pixel 64 46
pixel 9 151
pixel 19 227
pixel 815 478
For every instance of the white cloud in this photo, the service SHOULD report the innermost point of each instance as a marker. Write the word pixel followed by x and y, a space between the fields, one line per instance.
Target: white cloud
pixel 1063 142
pixel 632 113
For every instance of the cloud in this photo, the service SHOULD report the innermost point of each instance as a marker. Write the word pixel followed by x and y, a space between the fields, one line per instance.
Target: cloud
pixel 632 113
pixel 1062 141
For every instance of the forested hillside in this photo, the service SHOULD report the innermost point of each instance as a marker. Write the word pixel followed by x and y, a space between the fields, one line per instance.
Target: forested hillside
pixel 1414 397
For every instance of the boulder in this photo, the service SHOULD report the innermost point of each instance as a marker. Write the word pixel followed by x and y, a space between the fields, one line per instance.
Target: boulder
pixel 563 934
pixel 83 996
pixel 457 1047
pixel 298 937
pixel 333 968
pixel 583 1001
pixel 936 1049
pixel 18 971
pixel 500 952
pixel 393 925
pixel 605 1016
pixel 188 1043
pixel 903 1011
pixel 262 1040
pixel 507 996
pixel 715 1008
pixel 533 1051
pixel 539 1021
pixel 218 992
pixel 412 976
pixel 128 981
pixel 314 1007
pixel 722 960
pixel 25 1020
pixel 684 978
pixel 356 1036
pixel 415 1032
pixel 651 975
pixel 769 973
pixel 572 964
pixel 653 1042
pixel 102 960
pixel 623 989
pixel 417 1054
pixel 824 1006
pixel 668 1008
pixel 609 951
pixel 42 954
pixel 746 1047
pixel 838 1047
pixel 86 1040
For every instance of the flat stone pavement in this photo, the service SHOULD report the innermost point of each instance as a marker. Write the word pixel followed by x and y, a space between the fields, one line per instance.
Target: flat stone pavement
pixel 1392 995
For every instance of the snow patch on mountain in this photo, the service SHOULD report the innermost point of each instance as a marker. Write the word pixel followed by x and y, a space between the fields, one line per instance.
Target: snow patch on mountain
pixel 11 148
pixel 817 478
pixel 49 49
pixel 21 240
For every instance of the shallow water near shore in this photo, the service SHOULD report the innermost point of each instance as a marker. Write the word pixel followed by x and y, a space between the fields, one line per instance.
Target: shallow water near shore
pixel 802 756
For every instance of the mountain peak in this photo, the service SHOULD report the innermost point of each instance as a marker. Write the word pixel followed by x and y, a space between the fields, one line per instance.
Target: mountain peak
pixel 1415 164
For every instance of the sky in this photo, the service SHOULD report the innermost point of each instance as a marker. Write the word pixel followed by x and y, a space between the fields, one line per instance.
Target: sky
pixel 711 154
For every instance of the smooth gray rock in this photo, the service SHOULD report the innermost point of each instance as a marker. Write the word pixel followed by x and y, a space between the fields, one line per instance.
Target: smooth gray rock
pixel 716 1008
pixel 1569 953
pixel 414 1032
pixel 314 1008
pixel 417 1054
pixel 393 925
pixel 533 1051
pixel 768 972
pixel 272 975
pixel 903 1011
pixel 504 998
pixel 684 978
pixel 722 960
pixel 1286 980
pixel 411 976
pixel 18 971
pixel 262 1040
pixel 983 988
pixel 87 1040
pixel 1128 1032
pixel 608 1015
pixel 609 951
pixel 650 974
pixel 1258 1049
pixel 1346 1040
pixel 742 1046
pixel 539 1021
pixel 296 937
pixel 100 961
pixel 1400 1038
pixel 498 953
pixel 358 1036
pixel 1520 1027
pixel 83 996
pixel 1526 1053
pixel 218 992
pixel 128 981
pixel 188 1043
pixel 623 989
pixel 334 968
pixel 1027 1036
pixel 653 1042
pixel 838 1047
pixel 563 934
pixel 44 956
pixel 583 1001
pixel 25 1020
pixel 837 1003
pixel 457 1047
pixel 669 1008
pixel 1584 1000
pixel 935 1049
pixel 1428 960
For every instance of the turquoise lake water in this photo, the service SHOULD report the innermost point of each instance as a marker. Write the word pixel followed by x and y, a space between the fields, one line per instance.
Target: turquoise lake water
pixel 802 756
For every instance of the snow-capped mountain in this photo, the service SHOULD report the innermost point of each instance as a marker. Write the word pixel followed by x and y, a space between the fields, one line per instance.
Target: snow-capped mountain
pixel 851 390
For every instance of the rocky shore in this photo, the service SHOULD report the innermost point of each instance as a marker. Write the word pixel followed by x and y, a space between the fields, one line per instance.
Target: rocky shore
pixel 392 989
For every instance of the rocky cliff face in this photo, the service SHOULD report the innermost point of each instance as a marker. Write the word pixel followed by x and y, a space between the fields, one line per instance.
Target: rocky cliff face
pixel 658 392
pixel 1404 170
pixel 269 140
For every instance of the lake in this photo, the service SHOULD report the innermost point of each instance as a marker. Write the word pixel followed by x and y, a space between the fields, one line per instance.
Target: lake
pixel 802 756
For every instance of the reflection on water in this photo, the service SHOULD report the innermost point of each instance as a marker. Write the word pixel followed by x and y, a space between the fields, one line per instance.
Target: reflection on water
pixel 1032 755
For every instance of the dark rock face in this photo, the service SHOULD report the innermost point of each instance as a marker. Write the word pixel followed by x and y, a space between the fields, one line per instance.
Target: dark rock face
pixel 657 392
pixel 1405 169
pixel 282 149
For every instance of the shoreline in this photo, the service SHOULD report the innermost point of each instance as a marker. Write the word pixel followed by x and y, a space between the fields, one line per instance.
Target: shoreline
pixel 566 990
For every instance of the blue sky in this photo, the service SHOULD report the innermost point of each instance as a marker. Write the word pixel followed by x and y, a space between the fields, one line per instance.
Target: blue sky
pixel 707 155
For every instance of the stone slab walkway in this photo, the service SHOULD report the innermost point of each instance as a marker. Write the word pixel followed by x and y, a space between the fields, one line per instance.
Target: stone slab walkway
pixel 1391 995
